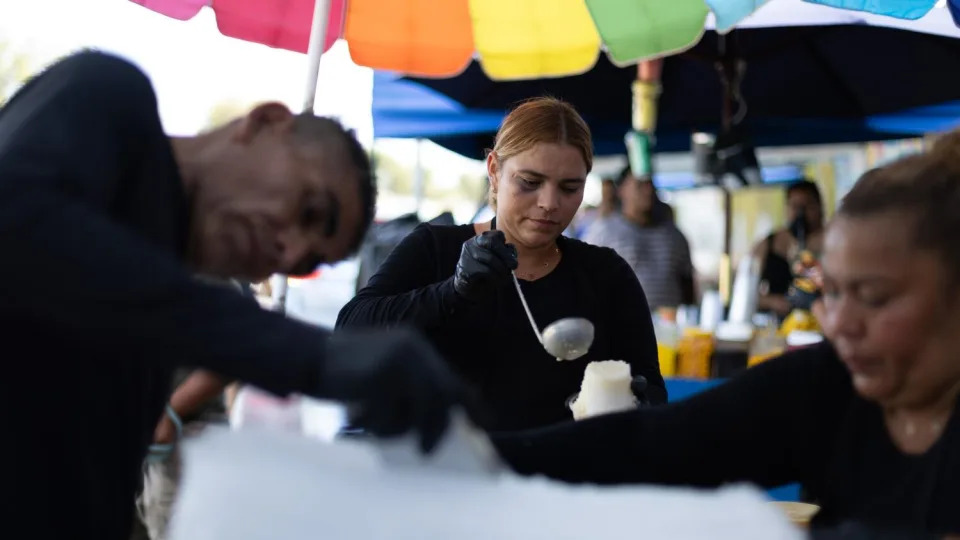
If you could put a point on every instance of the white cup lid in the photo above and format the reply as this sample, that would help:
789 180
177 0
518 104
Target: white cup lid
799 338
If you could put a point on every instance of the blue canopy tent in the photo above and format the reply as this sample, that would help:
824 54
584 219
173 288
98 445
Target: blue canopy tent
803 85
405 109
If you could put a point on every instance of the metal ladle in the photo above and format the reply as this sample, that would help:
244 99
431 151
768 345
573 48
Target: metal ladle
565 339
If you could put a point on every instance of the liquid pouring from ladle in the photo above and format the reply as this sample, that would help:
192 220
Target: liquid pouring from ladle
565 339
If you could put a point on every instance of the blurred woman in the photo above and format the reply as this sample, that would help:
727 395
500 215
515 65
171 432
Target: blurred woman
454 282
867 421
779 250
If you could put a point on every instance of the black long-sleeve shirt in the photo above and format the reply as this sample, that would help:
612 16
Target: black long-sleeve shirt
491 343
97 306
792 419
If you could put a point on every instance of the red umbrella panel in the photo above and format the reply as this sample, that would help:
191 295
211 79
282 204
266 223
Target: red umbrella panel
284 24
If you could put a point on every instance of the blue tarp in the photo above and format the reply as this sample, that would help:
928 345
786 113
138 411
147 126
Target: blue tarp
406 109
803 85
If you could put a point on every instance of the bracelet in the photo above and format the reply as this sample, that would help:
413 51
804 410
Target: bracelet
175 418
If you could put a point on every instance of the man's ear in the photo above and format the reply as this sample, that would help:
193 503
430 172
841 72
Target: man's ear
266 116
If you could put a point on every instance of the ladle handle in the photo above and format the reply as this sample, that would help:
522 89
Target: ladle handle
526 308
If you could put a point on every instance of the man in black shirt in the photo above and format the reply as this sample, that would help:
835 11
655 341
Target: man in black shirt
103 222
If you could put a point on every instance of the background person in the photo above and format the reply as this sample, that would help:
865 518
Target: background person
645 235
454 282
92 187
868 422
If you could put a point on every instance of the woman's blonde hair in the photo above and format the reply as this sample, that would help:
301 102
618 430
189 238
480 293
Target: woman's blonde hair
541 120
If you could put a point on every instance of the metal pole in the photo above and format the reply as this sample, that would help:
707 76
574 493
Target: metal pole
418 187
318 36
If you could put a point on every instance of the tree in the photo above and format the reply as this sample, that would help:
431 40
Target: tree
15 68
392 177
473 186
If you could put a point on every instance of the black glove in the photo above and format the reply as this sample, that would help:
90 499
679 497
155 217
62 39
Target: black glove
485 260
393 381
639 388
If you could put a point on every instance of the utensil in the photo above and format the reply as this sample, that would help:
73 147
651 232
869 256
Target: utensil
565 339
526 308
569 338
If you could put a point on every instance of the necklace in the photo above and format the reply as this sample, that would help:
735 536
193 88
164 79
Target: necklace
530 276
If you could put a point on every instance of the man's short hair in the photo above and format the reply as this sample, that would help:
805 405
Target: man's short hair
309 128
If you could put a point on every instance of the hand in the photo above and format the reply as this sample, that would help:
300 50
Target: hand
776 303
393 381
165 432
484 260
639 388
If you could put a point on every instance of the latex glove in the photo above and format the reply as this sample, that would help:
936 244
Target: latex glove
639 388
485 260
393 382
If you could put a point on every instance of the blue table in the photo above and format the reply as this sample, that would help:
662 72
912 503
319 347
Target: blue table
679 389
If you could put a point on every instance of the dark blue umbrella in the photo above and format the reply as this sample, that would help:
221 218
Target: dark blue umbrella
803 85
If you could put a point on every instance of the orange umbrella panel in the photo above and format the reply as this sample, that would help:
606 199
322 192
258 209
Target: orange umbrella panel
427 38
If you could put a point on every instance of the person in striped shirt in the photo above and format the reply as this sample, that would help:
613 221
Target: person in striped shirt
644 234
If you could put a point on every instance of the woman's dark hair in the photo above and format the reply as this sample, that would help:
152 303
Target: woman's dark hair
660 212
805 186
925 189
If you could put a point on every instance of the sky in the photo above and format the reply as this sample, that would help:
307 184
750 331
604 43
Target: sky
193 67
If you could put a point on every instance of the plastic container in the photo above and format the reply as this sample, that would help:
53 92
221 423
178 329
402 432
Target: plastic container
800 338
257 409
711 311
694 352
668 335
731 343
767 343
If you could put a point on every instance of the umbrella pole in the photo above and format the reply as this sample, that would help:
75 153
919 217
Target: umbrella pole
318 36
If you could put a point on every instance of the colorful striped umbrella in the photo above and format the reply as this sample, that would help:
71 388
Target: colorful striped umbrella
528 39
281 24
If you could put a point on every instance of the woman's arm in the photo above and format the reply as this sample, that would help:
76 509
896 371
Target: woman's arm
771 426
198 389
406 289
776 303
634 341
767 301
686 273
